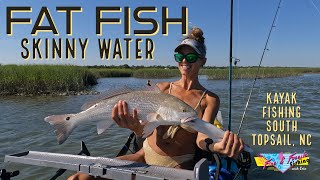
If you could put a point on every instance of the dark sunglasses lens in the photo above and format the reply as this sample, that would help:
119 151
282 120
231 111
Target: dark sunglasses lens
178 57
191 58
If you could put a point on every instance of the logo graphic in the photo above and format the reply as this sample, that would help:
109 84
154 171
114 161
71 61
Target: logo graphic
282 161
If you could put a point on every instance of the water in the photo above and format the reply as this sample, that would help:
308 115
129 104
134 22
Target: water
23 128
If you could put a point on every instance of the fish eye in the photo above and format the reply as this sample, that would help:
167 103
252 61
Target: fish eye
183 110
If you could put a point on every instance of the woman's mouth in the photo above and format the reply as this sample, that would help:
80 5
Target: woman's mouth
185 67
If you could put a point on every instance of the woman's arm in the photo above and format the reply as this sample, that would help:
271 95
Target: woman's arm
231 145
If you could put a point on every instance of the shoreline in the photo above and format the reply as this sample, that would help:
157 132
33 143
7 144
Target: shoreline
70 93
65 80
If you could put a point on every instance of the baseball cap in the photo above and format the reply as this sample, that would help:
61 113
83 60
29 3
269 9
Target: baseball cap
197 46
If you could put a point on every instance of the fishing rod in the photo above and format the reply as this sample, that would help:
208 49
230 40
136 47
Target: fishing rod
256 75
230 75
230 64
244 159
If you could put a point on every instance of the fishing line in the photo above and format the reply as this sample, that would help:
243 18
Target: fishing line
262 56
237 42
315 6
237 69
263 76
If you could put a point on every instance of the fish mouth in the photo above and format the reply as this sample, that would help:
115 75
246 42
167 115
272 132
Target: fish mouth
188 119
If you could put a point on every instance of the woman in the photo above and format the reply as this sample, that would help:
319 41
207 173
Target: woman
175 146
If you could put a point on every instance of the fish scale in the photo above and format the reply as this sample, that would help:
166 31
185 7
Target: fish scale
153 106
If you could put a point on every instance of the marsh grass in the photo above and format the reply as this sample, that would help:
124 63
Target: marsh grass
156 73
57 79
211 73
44 79
138 73
250 72
111 72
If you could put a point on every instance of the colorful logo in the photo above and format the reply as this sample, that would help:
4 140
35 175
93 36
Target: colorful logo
282 161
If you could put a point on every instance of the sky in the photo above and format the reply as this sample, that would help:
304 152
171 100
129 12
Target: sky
294 42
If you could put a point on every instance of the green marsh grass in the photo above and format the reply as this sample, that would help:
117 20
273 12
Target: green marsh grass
138 73
111 72
211 73
250 72
59 79
44 79
156 73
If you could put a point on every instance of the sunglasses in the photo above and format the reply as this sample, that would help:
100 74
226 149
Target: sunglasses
190 58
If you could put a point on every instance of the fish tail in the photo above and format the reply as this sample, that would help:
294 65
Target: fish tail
62 124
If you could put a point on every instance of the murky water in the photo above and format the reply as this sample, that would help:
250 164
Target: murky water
23 128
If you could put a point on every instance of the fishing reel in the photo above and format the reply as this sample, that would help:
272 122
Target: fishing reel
236 60
244 162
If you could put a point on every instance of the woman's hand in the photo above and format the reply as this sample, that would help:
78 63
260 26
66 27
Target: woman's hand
231 145
122 116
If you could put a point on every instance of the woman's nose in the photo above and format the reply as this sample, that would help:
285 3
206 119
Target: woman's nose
184 60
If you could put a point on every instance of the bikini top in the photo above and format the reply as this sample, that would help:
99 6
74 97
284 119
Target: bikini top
173 129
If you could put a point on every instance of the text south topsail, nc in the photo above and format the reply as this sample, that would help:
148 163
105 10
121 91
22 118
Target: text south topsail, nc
108 48
281 113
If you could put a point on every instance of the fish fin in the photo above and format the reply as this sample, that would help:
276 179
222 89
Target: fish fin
150 124
106 95
149 128
103 125
62 124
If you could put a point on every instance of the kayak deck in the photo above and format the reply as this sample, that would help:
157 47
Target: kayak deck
108 167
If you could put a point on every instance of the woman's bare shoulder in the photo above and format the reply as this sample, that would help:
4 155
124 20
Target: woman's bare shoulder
163 86
212 106
212 98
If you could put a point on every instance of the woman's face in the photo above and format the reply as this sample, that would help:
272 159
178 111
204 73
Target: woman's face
186 68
